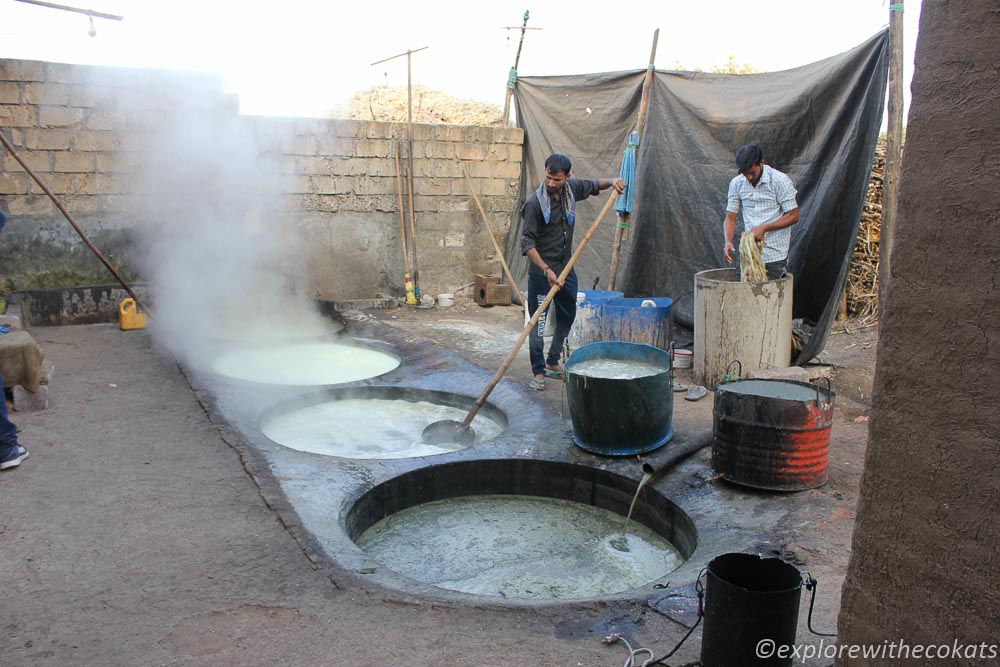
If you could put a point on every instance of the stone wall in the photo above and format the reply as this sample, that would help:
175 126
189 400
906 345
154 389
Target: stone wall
96 136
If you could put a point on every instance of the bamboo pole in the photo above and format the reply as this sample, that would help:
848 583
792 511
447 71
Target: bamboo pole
67 8
538 313
620 229
69 218
413 229
496 246
510 87
894 145
411 299
409 157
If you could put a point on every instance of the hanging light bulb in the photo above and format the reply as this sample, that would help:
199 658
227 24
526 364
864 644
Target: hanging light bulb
92 31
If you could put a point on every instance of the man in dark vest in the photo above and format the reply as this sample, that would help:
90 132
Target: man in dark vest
547 240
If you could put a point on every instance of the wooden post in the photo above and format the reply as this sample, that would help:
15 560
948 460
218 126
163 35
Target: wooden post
893 146
409 176
620 233
409 158
510 85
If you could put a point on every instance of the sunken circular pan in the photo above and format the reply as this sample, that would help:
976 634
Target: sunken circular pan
380 422
519 531
307 362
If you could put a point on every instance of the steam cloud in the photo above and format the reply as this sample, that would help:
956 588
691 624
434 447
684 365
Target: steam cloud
225 261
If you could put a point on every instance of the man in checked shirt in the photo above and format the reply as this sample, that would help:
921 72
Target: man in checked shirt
766 199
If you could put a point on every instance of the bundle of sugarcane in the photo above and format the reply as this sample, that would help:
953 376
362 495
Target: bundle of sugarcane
751 265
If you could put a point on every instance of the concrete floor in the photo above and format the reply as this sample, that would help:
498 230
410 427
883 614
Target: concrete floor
147 528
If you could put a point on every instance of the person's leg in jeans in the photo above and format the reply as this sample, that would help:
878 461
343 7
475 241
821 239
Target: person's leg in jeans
565 304
776 270
11 453
538 289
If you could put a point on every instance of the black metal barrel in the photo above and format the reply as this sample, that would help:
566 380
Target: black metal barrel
620 417
772 434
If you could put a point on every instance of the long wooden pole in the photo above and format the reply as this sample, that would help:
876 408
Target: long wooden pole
510 85
67 8
621 228
69 218
496 246
409 158
893 146
538 313
411 299
402 211
413 231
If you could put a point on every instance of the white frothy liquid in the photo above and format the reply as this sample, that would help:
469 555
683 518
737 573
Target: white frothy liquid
615 369
364 428
305 364
519 547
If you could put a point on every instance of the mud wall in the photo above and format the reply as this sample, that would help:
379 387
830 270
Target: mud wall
927 540
87 131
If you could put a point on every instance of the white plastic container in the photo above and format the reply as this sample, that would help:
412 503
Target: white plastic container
445 300
683 358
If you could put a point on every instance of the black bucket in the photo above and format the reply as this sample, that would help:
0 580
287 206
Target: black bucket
750 602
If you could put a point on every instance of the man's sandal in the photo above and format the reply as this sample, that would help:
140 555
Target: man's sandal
557 373
537 382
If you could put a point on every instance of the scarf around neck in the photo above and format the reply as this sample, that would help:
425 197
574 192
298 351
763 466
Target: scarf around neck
568 202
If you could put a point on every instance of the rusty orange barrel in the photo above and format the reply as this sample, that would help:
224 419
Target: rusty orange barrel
772 434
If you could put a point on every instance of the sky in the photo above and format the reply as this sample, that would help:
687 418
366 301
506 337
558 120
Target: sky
305 57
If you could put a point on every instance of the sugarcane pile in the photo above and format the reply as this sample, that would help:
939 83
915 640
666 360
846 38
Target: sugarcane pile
389 105
862 279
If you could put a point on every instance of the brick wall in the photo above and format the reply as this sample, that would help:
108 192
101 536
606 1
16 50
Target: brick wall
94 134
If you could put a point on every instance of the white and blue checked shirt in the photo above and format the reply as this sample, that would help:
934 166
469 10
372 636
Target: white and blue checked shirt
773 197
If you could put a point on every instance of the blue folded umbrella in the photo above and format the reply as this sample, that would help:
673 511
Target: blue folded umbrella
623 205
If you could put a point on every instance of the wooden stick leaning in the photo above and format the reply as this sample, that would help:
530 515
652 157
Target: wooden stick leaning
621 231
402 213
538 313
407 279
413 228
496 246
69 218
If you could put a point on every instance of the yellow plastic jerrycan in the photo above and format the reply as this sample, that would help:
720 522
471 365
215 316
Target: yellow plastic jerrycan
129 316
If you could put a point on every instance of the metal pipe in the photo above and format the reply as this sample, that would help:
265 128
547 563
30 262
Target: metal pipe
678 452
66 8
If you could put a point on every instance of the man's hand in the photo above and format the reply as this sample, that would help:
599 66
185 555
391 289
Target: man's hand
553 279
619 185
758 233
730 248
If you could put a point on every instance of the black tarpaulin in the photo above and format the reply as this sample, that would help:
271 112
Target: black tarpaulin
817 123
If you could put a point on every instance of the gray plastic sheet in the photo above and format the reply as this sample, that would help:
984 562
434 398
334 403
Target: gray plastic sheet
818 123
